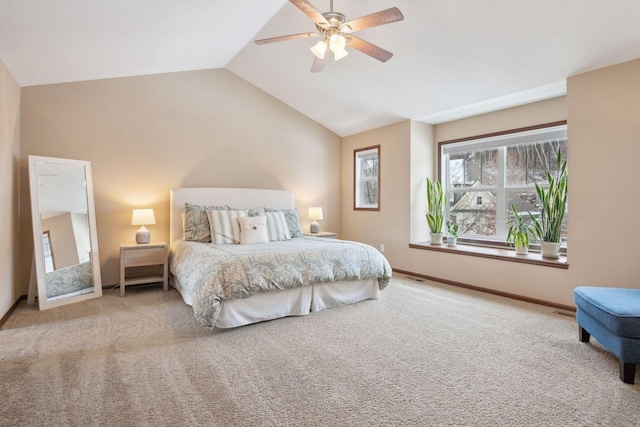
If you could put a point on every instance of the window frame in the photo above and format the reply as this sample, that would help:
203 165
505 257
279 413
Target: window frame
358 179
442 170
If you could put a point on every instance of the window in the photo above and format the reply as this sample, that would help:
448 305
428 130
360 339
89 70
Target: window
366 181
482 176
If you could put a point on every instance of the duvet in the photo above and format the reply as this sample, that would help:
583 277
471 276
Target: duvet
213 273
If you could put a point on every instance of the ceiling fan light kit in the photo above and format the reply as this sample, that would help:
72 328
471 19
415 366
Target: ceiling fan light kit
319 49
336 31
337 44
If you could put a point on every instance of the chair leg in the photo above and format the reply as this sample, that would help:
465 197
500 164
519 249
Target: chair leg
583 334
627 372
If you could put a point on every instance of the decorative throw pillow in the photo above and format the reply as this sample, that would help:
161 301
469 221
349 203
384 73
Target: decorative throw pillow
277 226
196 223
225 228
293 221
256 211
253 229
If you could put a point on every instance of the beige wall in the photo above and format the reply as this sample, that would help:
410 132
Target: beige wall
9 188
145 135
406 156
390 225
602 109
404 222
604 147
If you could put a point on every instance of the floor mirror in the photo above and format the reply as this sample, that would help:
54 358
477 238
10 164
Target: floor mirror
66 265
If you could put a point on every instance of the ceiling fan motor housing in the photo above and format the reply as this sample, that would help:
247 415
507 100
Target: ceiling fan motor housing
336 21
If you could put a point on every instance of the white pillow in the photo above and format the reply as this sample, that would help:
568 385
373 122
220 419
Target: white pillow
253 229
225 228
277 228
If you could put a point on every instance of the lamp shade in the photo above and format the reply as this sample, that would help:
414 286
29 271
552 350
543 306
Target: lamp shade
338 55
315 213
143 217
337 45
319 49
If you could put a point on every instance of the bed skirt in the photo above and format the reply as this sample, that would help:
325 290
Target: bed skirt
289 302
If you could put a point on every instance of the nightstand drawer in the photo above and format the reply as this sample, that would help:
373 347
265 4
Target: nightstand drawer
140 257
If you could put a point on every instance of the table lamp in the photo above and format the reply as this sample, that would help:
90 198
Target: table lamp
315 214
143 217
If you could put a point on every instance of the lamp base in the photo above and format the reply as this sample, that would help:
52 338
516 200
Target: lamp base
143 235
315 227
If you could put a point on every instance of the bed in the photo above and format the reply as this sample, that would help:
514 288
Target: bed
230 285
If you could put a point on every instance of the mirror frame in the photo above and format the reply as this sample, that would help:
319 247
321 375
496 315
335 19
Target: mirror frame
38 245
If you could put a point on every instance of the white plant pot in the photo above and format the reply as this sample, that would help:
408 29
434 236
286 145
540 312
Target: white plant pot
452 241
550 249
436 238
522 250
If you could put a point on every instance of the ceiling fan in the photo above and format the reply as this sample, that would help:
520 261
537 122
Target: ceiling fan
336 33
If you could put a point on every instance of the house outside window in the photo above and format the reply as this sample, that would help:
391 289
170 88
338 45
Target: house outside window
482 176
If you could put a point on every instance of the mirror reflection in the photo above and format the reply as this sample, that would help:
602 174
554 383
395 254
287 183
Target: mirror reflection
64 230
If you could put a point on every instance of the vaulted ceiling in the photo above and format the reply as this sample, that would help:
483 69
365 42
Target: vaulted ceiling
451 58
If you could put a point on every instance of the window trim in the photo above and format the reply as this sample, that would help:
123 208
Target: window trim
357 179
505 254
440 171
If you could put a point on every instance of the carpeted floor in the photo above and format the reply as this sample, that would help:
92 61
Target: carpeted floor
424 354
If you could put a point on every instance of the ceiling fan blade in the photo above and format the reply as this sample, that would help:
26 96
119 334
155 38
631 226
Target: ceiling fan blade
370 49
310 11
289 37
318 65
379 18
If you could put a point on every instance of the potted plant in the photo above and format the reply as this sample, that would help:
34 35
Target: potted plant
519 232
452 238
435 213
548 229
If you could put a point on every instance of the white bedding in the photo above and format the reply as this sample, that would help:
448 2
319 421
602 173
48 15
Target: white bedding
289 302
266 304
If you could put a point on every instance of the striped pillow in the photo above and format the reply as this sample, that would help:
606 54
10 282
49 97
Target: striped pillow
195 224
277 228
225 228
293 222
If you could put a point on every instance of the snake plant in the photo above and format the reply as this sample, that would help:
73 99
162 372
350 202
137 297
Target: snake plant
554 205
519 231
436 205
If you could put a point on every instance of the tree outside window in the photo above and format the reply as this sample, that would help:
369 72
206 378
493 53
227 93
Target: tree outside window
483 176
367 178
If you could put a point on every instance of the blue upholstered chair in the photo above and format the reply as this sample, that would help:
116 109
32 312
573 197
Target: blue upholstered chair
612 316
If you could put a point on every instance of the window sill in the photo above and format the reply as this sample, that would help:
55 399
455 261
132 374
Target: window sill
494 253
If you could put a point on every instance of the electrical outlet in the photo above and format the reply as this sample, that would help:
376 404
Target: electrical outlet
381 247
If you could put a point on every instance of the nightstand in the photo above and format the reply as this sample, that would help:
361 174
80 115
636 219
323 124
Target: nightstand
143 263
321 234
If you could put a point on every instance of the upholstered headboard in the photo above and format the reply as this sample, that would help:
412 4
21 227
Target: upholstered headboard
236 198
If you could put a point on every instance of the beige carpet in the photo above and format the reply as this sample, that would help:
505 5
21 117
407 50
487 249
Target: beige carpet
425 354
